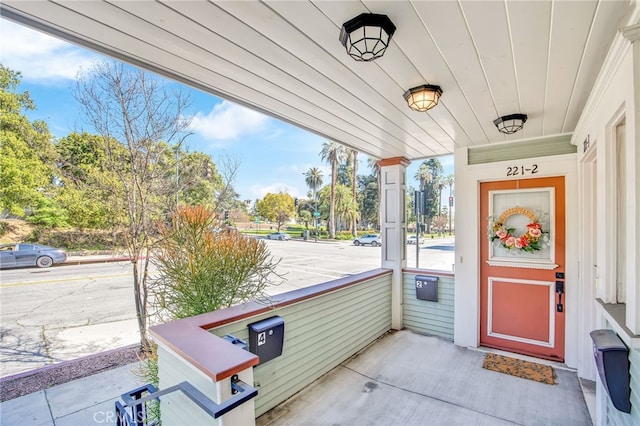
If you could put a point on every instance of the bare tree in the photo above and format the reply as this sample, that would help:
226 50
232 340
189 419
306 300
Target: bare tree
225 196
138 117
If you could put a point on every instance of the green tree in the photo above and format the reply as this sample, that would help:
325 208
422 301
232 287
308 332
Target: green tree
368 203
423 175
313 179
145 116
353 154
26 157
279 208
305 216
333 153
195 178
88 185
429 175
345 209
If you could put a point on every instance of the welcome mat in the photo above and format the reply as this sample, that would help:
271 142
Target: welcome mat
519 368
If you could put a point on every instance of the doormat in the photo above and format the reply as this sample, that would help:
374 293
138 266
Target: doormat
519 368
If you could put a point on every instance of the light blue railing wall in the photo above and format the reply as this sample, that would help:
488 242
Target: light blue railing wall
421 316
320 333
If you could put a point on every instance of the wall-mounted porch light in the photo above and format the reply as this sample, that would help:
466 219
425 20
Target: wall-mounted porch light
367 36
423 98
509 124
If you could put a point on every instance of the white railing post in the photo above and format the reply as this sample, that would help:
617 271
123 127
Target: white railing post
177 409
393 224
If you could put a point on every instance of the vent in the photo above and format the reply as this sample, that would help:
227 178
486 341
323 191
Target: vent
557 145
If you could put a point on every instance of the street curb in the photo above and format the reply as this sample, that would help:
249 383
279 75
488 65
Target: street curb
89 261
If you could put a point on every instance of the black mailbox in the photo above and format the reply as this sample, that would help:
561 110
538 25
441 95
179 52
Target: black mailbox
612 361
266 338
427 288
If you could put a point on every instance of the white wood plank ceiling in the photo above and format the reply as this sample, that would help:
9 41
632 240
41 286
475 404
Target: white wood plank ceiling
491 58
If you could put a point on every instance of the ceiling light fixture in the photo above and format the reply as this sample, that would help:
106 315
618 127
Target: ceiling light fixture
423 98
367 36
509 124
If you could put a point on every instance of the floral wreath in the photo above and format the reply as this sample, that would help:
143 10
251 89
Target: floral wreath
533 239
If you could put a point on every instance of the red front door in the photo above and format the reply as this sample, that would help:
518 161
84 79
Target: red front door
522 290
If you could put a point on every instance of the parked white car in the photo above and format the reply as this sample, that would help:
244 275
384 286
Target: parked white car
370 239
278 236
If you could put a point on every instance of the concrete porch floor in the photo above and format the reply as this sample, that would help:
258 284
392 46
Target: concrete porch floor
410 379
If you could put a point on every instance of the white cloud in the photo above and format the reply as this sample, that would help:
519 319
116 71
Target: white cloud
228 121
302 169
258 191
40 58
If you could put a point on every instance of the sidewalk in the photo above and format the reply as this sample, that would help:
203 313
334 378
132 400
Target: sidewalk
86 401
79 258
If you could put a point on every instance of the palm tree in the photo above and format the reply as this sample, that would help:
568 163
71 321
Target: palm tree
333 153
313 179
354 187
423 175
449 181
346 209
439 185
375 169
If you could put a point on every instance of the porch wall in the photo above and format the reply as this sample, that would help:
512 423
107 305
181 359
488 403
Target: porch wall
320 333
614 101
425 317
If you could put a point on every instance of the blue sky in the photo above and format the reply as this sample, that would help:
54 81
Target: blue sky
273 155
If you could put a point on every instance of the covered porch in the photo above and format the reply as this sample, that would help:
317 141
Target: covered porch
407 378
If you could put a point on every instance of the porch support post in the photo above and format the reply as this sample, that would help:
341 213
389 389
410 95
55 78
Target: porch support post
632 33
393 227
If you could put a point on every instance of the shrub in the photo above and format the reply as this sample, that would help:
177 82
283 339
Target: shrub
344 235
202 269
75 239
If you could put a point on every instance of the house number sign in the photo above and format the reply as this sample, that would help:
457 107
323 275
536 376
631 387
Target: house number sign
522 170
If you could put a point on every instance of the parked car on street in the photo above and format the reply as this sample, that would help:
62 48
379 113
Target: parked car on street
370 239
24 254
412 239
278 236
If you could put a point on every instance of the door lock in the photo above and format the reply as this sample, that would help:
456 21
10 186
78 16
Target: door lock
560 291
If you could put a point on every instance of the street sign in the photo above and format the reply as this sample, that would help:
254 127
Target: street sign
316 214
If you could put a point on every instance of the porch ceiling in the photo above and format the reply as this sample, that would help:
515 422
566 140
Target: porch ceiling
491 58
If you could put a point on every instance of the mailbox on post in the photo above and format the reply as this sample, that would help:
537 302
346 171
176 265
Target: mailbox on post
266 338
612 361
427 288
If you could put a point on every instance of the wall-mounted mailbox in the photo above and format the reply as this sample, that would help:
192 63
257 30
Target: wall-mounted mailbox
427 288
236 341
266 338
612 360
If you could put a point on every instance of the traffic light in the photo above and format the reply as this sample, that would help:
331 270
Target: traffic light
226 214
